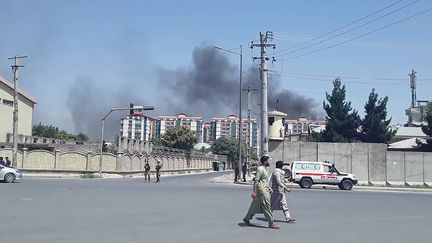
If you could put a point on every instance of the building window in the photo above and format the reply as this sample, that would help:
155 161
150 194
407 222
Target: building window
7 102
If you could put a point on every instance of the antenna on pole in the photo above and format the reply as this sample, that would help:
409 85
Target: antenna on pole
413 85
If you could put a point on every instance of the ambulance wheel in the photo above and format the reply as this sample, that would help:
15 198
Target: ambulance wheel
346 184
306 183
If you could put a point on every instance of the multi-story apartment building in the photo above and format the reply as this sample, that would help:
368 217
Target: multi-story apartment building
137 126
207 132
228 127
301 126
195 124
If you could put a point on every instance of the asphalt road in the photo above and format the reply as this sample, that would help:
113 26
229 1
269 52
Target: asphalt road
192 209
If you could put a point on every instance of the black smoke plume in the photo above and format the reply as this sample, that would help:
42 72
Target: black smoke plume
210 88
88 104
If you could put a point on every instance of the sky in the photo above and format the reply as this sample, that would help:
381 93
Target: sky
85 57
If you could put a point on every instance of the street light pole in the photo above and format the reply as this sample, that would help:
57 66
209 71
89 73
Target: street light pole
240 102
103 126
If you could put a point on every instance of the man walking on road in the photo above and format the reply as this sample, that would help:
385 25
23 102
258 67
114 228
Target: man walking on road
278 198
158 167
147 171
261 195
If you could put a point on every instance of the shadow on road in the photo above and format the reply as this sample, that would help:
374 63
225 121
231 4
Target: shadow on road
276 220
251 225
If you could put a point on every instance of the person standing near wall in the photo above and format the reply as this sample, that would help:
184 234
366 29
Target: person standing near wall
147 171
278 198
261 195
236 172
158 168
8 162
244 169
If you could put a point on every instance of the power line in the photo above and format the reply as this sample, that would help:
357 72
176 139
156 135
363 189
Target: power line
342 27
349 77
360 36
350 30
327 80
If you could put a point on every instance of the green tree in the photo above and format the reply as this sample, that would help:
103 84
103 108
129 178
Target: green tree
428 128
54 132
81 137
179 138
374 127
342 120
229 148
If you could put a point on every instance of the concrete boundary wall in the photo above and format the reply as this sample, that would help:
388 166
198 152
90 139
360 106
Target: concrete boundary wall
371 163
121 162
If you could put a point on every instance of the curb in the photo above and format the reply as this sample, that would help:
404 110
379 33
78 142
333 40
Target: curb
331 187
77 175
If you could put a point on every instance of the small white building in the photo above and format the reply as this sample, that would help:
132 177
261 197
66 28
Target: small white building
25 110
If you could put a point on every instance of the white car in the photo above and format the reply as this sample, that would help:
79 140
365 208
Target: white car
9 175
307 173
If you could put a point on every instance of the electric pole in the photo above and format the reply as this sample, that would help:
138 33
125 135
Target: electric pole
15 68
413 84
249 143
264 38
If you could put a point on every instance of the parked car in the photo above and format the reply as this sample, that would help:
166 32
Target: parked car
9 175
307 173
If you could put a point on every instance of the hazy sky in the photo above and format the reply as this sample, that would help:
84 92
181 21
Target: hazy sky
88 56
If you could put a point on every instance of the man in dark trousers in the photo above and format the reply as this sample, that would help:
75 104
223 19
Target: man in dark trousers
147 171
236 172
2 162
244 168
158 168
8 162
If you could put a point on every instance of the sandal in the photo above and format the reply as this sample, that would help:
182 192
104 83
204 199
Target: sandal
273 226
291 220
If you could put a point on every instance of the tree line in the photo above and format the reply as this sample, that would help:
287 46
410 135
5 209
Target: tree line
49 131
345 125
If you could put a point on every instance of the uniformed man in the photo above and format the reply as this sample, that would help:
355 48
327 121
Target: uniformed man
159 165
147 171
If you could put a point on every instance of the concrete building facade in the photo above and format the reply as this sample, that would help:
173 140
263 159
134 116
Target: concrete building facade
26 105
194 123
302 126
228 127
138 127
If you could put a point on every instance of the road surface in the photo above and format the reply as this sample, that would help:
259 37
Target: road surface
193 209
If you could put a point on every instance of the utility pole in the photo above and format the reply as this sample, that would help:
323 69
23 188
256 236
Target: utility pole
249 90
264 38
413 84
15 68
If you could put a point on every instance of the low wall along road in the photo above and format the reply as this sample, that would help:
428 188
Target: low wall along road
370 162
75 161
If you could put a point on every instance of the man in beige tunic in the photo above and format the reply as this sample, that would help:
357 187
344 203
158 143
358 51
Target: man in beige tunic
261 195
277 198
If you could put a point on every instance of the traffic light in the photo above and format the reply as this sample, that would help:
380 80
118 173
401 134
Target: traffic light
104 146
131 106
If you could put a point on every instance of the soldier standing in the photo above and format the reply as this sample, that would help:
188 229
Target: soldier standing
147 171
158 167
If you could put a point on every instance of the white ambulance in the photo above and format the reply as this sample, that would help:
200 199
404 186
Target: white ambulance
307 173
